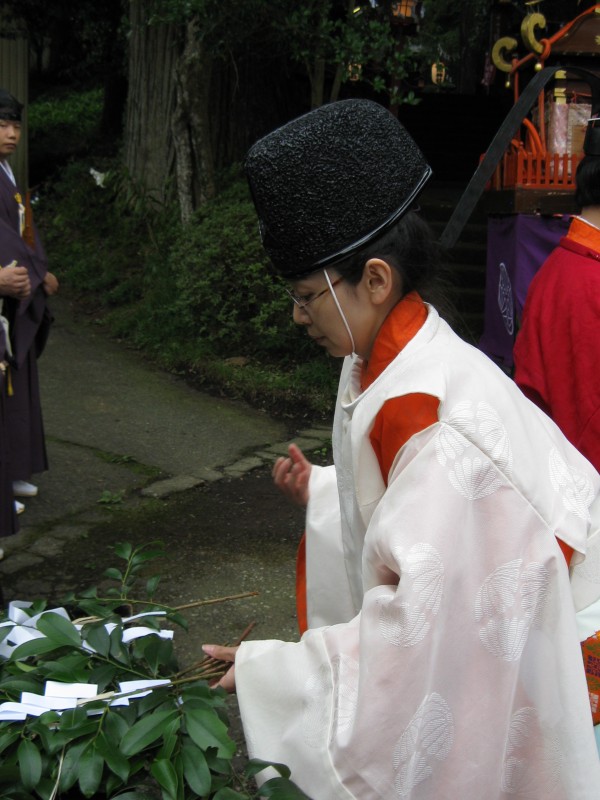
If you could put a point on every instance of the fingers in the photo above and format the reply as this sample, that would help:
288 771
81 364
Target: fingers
50 284
291 476
227 682
297 455
15 282
220 652
227 654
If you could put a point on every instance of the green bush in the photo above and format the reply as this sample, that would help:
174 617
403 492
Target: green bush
225 294
61 128
172 741
95 251
191 297
74 113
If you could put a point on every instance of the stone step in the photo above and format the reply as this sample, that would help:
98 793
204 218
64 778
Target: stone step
466 261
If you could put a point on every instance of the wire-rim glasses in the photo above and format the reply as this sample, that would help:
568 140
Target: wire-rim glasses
303 300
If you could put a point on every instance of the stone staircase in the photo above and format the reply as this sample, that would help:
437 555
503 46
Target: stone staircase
466 262
453 131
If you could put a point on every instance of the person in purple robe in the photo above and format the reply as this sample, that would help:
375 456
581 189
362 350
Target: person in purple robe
8 516
25 284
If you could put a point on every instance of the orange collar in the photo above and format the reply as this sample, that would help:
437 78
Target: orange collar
584 233
399 327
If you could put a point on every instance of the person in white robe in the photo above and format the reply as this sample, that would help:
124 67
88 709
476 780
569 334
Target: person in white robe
452 545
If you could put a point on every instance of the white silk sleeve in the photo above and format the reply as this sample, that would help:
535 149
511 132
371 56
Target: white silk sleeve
327 588
460 678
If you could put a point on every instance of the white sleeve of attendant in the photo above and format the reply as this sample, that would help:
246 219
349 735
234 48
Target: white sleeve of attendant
460 678
585 579
327 589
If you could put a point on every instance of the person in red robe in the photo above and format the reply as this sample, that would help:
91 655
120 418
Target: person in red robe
557 350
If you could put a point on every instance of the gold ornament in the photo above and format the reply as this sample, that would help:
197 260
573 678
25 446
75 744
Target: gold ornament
528 28
503 45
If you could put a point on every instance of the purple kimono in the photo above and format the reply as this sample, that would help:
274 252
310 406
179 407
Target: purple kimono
8 517
29 322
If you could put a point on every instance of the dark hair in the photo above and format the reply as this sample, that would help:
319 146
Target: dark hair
410 247
10 108
587 182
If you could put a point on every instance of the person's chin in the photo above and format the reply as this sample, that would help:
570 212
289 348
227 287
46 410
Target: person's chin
335 351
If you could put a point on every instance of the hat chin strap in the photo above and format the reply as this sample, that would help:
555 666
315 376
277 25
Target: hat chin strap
339 308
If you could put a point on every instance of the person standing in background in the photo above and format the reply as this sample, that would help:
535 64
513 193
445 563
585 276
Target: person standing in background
25 284
557 350
8 517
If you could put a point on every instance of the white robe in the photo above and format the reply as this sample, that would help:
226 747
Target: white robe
446 664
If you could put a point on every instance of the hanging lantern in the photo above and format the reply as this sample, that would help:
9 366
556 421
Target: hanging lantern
354 72
403 10
438 73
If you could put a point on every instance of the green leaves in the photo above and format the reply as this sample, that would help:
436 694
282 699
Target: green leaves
97 637
175 737
145 732
30 764
115 761
59 630
207 730
91 765
165 774
195 769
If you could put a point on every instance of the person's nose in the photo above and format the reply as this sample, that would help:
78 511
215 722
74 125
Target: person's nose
300 315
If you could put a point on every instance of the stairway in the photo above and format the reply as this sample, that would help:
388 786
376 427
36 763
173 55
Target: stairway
453 131
466 262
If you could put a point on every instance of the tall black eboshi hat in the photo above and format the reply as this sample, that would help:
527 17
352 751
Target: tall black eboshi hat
327 183
10 108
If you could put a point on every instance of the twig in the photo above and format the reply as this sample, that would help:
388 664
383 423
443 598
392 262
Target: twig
214 600
169 609
216 663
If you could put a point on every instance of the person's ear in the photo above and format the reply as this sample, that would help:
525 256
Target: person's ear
378 279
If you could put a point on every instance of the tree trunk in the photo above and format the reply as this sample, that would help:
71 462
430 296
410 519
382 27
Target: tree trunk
191 125
149 152
317 82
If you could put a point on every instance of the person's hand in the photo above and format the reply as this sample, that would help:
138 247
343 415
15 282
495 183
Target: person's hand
221 653
291 476
50 284
14 282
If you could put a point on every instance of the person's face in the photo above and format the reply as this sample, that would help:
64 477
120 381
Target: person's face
10 133
361 304
319 314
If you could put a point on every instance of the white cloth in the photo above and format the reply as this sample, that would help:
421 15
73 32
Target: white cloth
8 169
460 675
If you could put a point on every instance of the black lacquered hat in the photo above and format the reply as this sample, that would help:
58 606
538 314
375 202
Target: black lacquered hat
329 182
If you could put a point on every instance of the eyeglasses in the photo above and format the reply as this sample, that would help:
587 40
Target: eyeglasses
303 300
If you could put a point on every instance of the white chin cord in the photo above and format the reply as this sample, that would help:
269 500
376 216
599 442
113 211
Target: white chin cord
339 308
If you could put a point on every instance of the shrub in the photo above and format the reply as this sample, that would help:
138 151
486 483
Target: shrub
62 128
191 297
170 741
225 294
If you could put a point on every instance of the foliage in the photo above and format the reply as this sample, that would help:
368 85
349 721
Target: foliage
192 296
452 32
73 38
327 38
172 742
223 291
62 126
353 40
64 123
